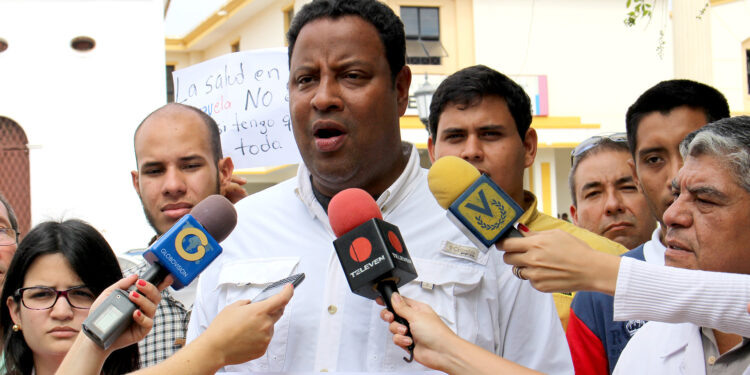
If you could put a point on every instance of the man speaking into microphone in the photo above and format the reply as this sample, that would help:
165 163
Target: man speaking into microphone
348 86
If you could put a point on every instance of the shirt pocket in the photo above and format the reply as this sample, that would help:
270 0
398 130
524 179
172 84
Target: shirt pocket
451 290
244 279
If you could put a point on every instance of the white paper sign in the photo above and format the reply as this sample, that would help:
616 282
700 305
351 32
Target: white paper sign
247 94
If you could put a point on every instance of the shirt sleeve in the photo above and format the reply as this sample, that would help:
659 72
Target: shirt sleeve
674 295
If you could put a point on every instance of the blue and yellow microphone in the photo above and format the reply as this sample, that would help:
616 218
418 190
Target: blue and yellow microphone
184 251
474 203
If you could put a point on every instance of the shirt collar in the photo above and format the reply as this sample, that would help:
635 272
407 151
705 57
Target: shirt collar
529 200
387 201
653 250
681 335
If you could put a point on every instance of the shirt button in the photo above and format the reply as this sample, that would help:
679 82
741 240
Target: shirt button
332 309
711 360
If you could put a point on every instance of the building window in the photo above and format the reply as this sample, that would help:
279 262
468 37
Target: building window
422 27
236 46
170 84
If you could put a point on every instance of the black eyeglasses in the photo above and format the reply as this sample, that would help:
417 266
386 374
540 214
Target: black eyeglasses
8 236
43 297
595 141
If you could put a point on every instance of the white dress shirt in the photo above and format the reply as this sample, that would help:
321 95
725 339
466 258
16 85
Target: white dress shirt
284 230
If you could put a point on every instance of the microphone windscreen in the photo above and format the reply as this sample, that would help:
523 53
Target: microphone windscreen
217 215
449 177
351 208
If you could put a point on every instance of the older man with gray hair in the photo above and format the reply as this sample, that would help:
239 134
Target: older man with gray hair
707 230
606 198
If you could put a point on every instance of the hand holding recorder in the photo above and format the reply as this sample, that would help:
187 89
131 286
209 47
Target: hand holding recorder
240 332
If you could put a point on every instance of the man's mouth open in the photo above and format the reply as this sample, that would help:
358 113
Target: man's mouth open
329 139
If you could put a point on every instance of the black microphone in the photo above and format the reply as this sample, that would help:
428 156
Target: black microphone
371 251
184 251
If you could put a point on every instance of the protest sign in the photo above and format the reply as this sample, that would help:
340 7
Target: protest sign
247 94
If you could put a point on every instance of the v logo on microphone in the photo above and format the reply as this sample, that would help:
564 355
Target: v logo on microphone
485 209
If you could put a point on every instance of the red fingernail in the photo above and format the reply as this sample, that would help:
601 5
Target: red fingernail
138 313
523 228
142 282
135 295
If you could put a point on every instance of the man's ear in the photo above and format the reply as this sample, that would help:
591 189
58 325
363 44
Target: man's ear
573 214
225 167
403 81
134 176
431 149
634 170
530 147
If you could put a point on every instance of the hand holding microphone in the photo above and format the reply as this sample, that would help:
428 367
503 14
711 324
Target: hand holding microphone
183 251
474 203
436 340
440 348
371 251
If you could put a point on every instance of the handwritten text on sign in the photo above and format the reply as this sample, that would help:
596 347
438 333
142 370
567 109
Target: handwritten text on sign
246 93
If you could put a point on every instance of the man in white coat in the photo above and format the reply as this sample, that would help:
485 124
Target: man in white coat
706 229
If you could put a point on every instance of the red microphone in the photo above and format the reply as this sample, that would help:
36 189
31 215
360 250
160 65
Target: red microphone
350 208
371 250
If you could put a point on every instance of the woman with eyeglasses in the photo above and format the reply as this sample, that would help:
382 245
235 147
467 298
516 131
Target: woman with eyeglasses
58 271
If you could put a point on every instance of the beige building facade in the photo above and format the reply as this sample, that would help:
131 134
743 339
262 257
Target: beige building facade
76 78
581 65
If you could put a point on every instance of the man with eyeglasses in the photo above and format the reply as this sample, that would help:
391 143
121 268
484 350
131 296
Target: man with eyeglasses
483 117
8 236
656 124
606 199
